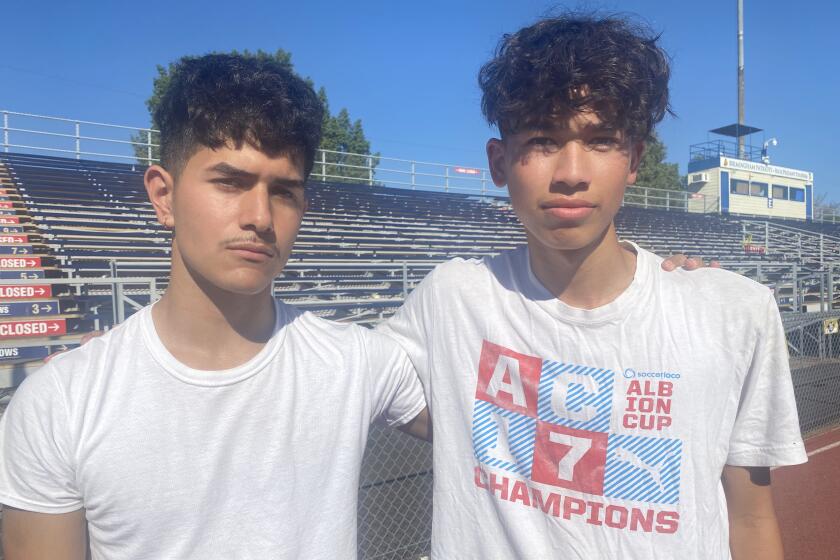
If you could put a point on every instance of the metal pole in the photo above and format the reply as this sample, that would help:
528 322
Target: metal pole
405 279
446 182
149 145
830 287
766 238
646 197
822 292
323 166
370 170
78 142
795 288
758 274
6 131
822 246
483 182
413 172
667 200
740 77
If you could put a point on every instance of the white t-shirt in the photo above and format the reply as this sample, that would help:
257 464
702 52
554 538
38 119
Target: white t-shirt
259 461
583 434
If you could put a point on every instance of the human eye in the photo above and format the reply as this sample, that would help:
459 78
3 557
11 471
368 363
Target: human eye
605 142
226 183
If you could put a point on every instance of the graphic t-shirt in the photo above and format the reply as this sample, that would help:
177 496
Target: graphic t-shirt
259 461
594 434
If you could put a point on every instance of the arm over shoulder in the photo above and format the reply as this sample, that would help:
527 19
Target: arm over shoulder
396 394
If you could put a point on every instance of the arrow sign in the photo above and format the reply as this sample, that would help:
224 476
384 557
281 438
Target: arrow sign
11 229
16 249
26 292
27 309
14 238
22 275
7 204
20 329
9 354
9 219
26 262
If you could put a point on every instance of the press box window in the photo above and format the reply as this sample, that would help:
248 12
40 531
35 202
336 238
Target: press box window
736 186
758 189
780 192
797 195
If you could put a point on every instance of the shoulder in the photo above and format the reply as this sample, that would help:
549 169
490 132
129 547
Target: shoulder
460 272
109 345
339 337
711 288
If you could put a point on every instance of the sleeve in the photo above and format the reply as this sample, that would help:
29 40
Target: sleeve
396 393
36 466
766 431
411 326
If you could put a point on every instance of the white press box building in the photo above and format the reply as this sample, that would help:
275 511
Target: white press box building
742 180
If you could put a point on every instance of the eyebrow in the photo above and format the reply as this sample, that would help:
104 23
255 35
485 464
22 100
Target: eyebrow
232 171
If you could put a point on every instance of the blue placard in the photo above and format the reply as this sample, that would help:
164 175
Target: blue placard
31 274
11 229
14 353
16 250
30 308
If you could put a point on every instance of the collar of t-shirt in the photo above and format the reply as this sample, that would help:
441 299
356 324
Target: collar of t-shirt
615 310
212 378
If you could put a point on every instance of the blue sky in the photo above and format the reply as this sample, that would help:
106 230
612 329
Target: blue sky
408 70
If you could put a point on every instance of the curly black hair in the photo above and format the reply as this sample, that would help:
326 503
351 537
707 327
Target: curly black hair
562 65
217 99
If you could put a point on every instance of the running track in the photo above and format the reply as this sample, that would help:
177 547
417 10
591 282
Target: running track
807 499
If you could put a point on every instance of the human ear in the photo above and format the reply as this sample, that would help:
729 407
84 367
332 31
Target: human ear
637 150
159 187
496 161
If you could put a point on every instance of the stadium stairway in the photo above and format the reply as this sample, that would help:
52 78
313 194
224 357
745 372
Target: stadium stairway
36 318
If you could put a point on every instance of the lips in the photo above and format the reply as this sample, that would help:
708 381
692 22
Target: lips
568 208
252 251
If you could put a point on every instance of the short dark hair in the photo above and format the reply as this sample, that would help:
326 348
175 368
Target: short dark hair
216 99
562 65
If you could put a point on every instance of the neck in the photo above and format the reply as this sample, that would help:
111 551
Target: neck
207 328
588 277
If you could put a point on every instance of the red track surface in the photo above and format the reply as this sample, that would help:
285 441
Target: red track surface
807 499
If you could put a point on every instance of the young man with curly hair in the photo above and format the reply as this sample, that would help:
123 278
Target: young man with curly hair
215 423
587 404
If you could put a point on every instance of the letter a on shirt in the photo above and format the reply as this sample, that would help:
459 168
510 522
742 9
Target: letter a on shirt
508 379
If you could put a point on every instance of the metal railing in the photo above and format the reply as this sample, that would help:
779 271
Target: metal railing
87 139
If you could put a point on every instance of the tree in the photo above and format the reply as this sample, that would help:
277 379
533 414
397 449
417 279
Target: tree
340 136
654 172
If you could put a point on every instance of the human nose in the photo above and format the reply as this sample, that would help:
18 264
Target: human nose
571 166
255 210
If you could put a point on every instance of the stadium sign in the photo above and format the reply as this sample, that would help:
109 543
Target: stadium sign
25 353
30 309
7 204
23 238
17 329
22 275
26 292
11 229
9 220
16 250
757 167
17 262
467 170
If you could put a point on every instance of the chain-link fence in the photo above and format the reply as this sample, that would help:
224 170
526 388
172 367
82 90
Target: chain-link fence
814 348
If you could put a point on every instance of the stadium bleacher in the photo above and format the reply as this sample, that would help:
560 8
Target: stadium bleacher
360 250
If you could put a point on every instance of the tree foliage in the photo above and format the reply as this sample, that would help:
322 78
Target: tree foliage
340 136
654 171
